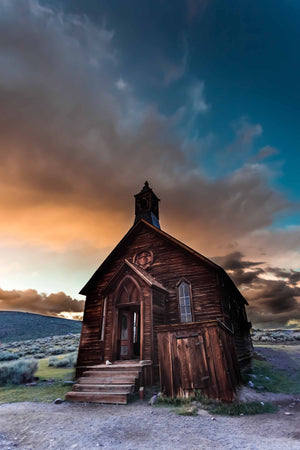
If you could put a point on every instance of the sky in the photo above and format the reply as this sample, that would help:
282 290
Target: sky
201 98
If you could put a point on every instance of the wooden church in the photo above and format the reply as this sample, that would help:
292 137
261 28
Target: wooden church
158 311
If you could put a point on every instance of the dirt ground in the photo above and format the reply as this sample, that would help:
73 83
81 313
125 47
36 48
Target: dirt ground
39 426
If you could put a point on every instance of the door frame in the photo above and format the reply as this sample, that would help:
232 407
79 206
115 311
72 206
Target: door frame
130 309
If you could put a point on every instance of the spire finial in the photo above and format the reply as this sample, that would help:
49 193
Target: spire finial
146 206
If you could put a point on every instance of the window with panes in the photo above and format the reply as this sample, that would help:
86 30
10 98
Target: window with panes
185 302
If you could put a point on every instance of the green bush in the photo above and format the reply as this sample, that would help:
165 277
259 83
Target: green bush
31 350
67 361
39 355
18 372
71 348
8 356
56 351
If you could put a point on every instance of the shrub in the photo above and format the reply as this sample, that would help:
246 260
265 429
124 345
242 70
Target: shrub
67 361
18 372
32 349
39 355
52 361
71 348
8 356
56 350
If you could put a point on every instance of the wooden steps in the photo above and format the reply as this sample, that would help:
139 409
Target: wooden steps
121 388
96 397
107 383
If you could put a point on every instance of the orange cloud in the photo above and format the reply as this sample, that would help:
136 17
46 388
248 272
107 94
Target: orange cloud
31 301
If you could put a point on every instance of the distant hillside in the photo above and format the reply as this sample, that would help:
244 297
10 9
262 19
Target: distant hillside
19 326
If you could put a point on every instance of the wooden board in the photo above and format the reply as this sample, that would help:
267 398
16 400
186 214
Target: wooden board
192 357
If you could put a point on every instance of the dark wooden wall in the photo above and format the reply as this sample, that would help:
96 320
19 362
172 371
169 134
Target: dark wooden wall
171 264
199 356
235 318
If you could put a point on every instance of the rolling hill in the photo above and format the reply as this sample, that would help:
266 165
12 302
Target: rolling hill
21 326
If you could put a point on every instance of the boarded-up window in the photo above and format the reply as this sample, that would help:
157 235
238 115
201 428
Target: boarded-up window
185 302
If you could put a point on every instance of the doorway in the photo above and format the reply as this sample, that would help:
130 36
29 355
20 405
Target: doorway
129 333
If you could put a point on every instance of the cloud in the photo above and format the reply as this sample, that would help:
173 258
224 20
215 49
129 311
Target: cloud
246 132
292 276
31 301
233 261
197 99
241 147
75 145
174 72
274 300
75 148
121 84
265 152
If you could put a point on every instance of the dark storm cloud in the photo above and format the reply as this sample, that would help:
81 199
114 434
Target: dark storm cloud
70 137
32 301
273 301
292 276
233 261
75 145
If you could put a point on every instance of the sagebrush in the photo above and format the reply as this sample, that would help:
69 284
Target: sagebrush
66 361
17 372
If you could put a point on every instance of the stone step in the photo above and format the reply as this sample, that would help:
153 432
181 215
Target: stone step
124 388
98 397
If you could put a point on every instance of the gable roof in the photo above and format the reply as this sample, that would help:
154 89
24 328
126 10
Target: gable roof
165 235
145 276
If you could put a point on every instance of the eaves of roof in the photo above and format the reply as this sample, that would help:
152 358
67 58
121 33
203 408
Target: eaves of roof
146 277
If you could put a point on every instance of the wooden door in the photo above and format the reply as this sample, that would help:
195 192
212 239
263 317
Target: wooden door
125 327
190 353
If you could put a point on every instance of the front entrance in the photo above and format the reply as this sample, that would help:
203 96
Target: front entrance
129 333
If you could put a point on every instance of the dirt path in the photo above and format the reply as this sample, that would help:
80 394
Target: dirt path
40 426
139 426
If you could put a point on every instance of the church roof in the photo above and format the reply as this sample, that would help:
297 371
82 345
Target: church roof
145 276
165 235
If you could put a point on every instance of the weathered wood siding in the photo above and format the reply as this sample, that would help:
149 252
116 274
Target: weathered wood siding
170 265
198 356
213 297
91 349
235 318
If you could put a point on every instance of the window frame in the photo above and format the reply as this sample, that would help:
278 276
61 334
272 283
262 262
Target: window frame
184 280
103 319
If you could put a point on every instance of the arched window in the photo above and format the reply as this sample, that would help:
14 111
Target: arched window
185 302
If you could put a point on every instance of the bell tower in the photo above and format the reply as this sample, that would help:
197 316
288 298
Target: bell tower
146 206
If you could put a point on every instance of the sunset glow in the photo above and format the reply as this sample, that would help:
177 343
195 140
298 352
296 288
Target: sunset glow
94 102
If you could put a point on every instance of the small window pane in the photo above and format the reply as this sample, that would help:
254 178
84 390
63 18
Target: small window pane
124 330
185 302
124 350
